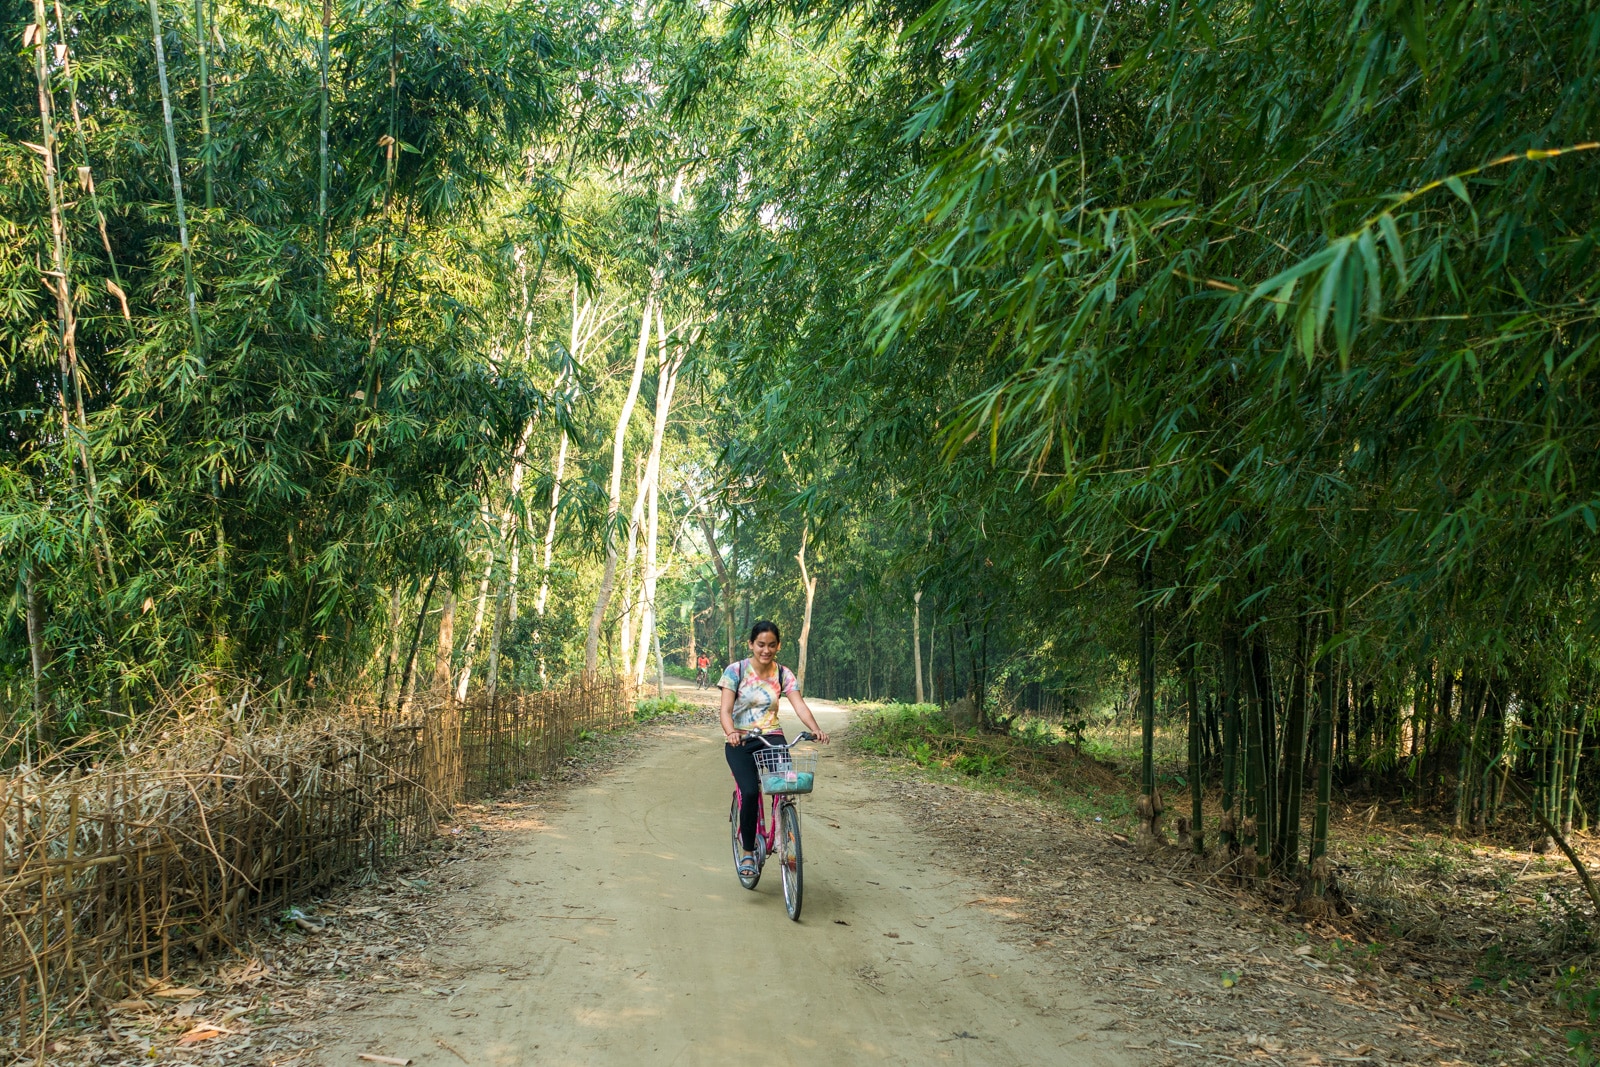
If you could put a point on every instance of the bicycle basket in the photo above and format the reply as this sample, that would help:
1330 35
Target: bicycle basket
786 771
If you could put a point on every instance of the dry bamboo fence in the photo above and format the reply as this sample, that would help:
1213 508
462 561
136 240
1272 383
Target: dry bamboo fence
116 875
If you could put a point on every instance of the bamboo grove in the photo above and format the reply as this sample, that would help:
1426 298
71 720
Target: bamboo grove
1232 358
285 300
1224 364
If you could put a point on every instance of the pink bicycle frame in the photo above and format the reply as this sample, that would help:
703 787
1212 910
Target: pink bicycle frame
767 830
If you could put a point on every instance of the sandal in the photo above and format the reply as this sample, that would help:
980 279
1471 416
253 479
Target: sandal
747 865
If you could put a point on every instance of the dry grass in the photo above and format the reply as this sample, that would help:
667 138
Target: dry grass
111 875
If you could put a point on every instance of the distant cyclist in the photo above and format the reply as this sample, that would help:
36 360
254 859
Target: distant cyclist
704 665
751 690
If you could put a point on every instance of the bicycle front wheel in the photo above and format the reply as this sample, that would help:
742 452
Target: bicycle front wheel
790 857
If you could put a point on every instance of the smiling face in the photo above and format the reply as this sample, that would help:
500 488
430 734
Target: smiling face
764 649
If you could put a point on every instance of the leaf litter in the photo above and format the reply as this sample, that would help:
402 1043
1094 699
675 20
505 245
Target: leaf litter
275 1001
1231 975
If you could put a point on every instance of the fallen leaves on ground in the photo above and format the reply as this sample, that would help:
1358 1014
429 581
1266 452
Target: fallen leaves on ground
275 1002
1221 973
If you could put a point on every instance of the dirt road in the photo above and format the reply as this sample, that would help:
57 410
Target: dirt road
618 934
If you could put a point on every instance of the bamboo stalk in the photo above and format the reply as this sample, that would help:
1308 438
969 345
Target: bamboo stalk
1327 691
1230 734
86 175
35 624
201 47
322 135
1149 809
1294 755
190 294
1191 693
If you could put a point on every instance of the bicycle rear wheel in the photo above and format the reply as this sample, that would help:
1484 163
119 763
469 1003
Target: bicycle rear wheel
790 857
738 850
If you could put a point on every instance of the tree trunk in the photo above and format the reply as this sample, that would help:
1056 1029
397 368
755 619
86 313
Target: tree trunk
491 670
661 666
1263 746
67 327
666 385
409 676
1327 689
510 530
1230 734
1572 772
955 671
202 47
443 669
322 141
809 585
591 650
393 642
869 657
733 594
550 527
630 603
189 289
1149 804
723 572
1293 771
1467 731
1252 827
42 726
916 639
693 654
471 650
1191 693
1439 730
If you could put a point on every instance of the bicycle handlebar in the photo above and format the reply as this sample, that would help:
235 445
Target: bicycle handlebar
760 735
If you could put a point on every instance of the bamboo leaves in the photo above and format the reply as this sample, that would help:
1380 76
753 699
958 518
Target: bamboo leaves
258 494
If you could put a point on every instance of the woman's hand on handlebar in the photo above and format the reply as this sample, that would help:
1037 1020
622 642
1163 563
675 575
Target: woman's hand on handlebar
734 737
821 736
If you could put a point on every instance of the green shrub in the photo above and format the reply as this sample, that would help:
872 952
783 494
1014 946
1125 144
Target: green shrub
656 707
980 765
901 730
1574 993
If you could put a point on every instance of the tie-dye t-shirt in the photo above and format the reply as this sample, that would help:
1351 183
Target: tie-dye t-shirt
756 699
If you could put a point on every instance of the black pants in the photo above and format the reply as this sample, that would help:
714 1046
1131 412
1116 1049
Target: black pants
742 761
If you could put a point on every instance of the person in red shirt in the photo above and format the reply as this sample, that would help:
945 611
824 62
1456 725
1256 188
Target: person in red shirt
704 665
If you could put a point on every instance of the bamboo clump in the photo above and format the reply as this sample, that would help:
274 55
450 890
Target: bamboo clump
120 873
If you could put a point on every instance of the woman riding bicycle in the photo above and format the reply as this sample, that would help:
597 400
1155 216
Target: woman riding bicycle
751 690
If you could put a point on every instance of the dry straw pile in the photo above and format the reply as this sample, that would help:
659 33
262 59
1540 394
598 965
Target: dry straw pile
112 875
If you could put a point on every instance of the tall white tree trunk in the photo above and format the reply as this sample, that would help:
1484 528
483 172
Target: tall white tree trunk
808 582
630 602
916 642
477 627
587 323
666 386
661 669
591 650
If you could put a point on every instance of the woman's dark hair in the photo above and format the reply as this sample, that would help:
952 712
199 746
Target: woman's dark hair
765 626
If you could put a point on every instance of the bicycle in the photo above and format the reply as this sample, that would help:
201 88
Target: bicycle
785 775
700 678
